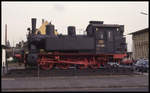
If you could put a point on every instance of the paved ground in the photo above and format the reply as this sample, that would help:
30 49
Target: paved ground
126 89
78 83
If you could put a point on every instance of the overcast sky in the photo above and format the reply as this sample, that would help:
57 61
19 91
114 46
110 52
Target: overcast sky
17 15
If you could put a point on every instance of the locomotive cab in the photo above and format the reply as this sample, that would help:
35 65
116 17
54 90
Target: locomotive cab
108 38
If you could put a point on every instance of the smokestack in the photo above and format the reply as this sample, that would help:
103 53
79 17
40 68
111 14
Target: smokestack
50 29
5 34
71 30
42 21
33 22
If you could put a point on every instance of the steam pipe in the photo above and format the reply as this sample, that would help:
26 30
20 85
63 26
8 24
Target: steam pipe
33 22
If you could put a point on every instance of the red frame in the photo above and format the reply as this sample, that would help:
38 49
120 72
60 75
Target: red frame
82 59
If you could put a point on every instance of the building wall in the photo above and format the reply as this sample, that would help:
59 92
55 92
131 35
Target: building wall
141 45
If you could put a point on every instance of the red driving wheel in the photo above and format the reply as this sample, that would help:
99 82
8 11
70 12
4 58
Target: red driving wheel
47 66
95 66
82 66
63 66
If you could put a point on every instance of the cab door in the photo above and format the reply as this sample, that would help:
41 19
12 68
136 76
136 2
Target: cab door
100 40
110 40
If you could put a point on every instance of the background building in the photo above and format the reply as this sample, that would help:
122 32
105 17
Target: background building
141 43
3 55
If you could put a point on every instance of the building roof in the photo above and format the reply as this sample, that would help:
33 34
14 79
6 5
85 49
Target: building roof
140 31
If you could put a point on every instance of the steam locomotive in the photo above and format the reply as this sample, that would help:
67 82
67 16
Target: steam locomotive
101 43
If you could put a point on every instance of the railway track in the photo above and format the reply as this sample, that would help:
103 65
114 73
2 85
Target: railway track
69 72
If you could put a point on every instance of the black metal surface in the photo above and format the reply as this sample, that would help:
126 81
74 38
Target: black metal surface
96 22
50 30
33 22
71 31
70 43
32 59
110 35
100 39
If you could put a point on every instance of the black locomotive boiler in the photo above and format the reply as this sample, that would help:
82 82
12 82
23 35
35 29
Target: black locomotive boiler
101 43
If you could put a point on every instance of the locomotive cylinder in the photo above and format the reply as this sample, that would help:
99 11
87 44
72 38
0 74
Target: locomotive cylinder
71 30
33 22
